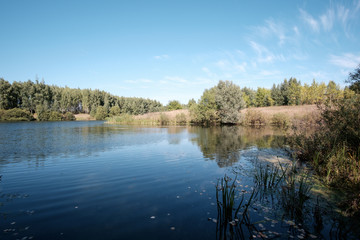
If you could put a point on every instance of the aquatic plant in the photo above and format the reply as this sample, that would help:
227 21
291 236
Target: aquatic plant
268 177
229 224
294 193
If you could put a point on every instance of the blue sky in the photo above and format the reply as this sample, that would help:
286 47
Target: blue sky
169 50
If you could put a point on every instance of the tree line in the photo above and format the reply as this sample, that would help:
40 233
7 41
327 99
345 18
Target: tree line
38 97
222 103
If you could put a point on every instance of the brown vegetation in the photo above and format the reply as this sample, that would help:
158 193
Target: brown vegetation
83 117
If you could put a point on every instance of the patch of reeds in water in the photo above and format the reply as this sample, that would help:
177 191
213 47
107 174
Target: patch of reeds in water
233 221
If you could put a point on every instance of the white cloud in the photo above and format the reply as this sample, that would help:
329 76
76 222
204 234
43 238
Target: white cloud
346 60
308 19
264 55
271 29
296 30
343 14
161 57
327 19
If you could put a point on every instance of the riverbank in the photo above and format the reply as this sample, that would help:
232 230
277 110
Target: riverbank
275 115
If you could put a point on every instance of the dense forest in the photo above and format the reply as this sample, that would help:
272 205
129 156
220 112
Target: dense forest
38 97
56 103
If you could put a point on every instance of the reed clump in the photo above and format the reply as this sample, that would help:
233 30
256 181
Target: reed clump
333 149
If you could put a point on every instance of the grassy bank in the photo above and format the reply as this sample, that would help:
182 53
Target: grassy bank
275 115
176 117
333 149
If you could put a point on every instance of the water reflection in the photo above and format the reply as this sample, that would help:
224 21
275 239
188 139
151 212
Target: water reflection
223 144
39 141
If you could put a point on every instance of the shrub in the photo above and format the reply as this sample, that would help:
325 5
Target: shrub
15 114
115 111
181 119
253 117
101 113
124 118
164 119
55 116
69 117
280 120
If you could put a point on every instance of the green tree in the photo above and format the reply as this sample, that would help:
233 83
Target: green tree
115 111
263 97
174 105
229 102
205 111
276 95
249 96
101 113
354 80
294 92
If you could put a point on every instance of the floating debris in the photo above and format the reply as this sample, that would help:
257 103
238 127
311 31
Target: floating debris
172 228
152 217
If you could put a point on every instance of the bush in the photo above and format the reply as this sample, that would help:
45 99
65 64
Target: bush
115 111
15 114
69 117
334 148
253 117
181 119
280 120
55 116
124 118
101 113
164 119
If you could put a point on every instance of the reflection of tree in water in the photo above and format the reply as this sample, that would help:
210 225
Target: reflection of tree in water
223 144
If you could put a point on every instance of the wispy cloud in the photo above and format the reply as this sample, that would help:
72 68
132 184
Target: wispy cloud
264 55
271 29
346 60
327 19
310 20
161 57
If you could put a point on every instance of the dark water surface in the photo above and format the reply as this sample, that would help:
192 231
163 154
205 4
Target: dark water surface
90 180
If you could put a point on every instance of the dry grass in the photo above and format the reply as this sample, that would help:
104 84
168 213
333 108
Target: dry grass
171 115
297 115
83 117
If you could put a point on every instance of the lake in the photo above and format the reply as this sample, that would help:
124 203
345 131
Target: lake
91 180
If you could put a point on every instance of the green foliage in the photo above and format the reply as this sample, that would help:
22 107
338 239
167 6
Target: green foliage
69 117
249 97
180 119
253 117
276 95
123 118
101 113
334 148
263 97
191 103
164 119
205 111
354 80
30 95
229 102
220 104
115 111
15 114
174 105
280 120
55 116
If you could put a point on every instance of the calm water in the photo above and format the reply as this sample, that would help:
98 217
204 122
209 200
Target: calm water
89 180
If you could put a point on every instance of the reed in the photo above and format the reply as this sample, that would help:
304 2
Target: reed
229 224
